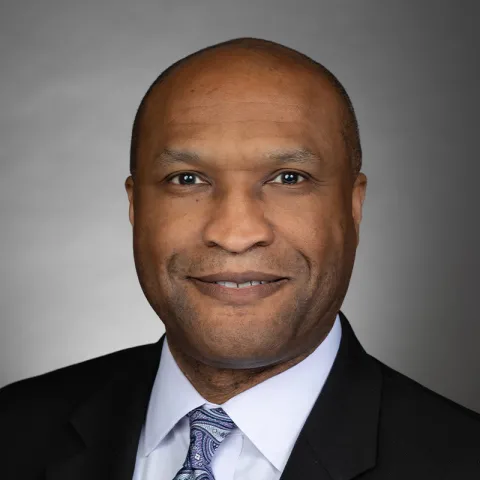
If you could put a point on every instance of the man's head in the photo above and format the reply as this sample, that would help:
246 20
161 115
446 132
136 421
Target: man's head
245 157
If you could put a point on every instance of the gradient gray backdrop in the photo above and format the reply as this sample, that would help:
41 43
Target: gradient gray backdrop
72 75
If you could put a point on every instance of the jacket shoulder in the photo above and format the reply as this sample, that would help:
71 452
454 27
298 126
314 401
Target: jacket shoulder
427 428
36 411
65 387
405 394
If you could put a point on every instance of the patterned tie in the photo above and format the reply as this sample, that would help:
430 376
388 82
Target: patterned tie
208 428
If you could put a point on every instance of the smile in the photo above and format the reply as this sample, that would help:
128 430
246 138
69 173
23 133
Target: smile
251 283
239 293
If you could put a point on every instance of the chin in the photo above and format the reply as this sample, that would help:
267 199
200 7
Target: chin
234 349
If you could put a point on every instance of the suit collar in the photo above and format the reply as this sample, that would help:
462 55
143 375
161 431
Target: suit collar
339 438
104 430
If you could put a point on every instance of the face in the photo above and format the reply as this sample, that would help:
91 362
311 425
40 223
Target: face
244 170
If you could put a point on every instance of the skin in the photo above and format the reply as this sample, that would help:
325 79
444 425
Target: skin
239 213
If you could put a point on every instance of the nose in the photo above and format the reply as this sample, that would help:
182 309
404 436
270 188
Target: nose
238 223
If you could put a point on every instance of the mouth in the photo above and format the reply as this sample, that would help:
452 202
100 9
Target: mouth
250 283
239 293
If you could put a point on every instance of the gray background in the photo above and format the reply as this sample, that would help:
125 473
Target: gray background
72 75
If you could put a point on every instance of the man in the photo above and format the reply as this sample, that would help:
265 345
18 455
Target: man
245 200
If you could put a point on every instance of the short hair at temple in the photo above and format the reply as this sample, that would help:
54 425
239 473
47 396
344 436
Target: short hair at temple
349 127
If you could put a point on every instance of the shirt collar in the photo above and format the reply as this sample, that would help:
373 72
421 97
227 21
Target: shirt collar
272 426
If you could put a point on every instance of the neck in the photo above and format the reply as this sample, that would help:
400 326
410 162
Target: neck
217 385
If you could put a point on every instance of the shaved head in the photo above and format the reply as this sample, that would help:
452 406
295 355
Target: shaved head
245 174
258 52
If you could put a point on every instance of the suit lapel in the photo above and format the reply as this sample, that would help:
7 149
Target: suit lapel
102 437
339 438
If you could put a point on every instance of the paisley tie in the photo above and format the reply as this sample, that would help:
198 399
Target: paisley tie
208 428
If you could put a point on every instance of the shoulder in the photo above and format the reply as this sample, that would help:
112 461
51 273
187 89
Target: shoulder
60 390
36 411
402 394
426 427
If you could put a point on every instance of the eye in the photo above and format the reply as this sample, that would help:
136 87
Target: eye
290 177
186 178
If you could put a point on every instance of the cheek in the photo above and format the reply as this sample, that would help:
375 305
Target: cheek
319 230
162 228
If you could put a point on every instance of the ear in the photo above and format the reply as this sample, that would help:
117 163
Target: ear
129 189
358 197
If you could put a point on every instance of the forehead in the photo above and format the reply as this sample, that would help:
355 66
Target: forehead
245 110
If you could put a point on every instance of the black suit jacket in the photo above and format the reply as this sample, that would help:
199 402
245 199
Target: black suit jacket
369 422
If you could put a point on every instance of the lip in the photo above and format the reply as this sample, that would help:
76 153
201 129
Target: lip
239 277
238 296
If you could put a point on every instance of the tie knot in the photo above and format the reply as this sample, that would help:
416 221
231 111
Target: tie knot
208 428
214 422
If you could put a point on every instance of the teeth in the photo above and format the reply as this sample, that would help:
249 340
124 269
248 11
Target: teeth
240 285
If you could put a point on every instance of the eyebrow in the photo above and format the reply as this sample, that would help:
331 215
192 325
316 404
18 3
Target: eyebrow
299 156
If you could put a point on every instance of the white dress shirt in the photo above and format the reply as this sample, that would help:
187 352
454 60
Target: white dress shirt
269 417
